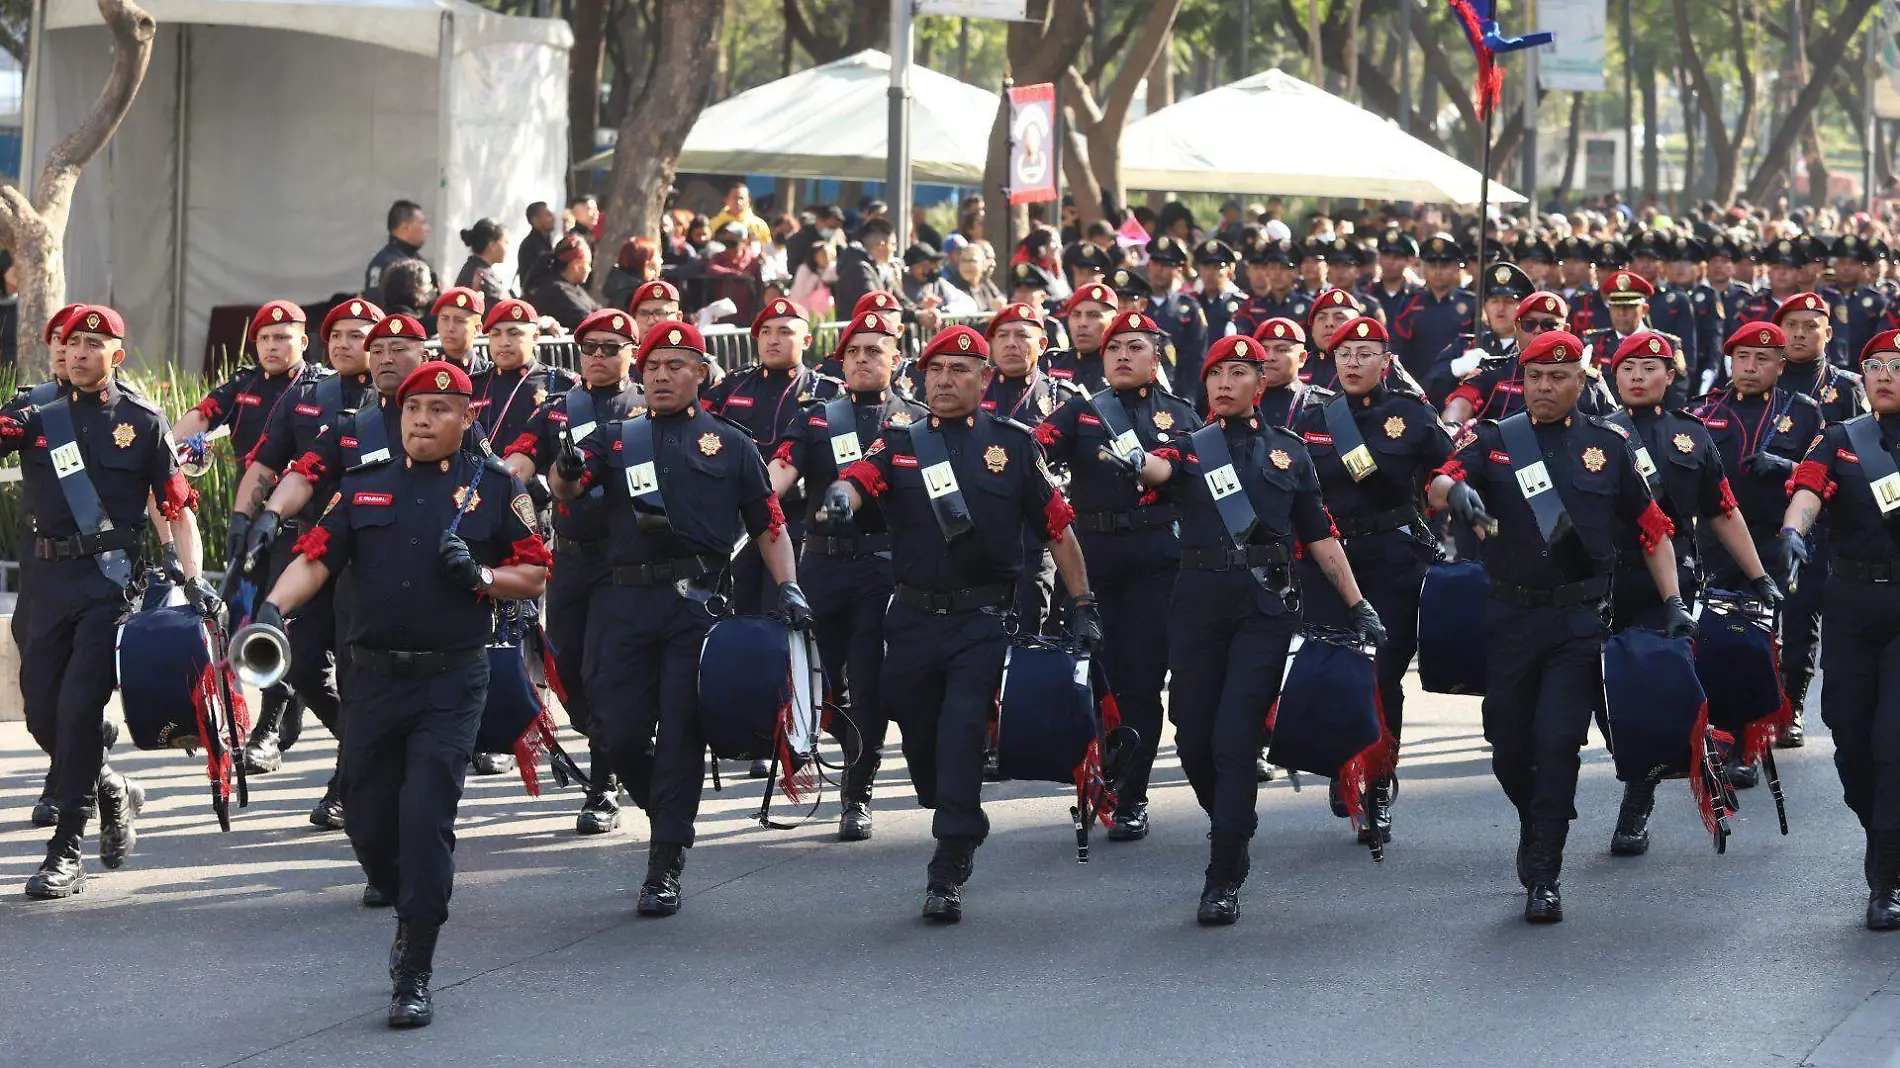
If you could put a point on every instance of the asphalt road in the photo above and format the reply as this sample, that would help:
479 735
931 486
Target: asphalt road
793 949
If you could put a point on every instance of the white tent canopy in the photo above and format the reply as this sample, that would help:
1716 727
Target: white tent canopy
270 137
833 122
1273 133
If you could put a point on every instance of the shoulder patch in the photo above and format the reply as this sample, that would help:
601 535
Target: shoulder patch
523 509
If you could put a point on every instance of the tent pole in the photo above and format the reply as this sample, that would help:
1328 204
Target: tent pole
30 96
1008 250
1484 227
181 192
897 147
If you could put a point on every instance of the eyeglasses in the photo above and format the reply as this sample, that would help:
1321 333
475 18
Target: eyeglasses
1350 356
1538 326
1891 366
602 348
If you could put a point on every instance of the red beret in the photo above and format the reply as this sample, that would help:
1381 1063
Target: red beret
1644 343
609 320
1360 329
354 308
571 248
1885 341
658 289
1626 287
1755 335
669 334
868 323
876 301
958 340
510 311
276 311
57 323
1280 328
1545 302
1333 298
94 319
1801 302
1234 347
1014 313
1553 346
398 326
779 308
1130 322
461 298
436 376
1094 291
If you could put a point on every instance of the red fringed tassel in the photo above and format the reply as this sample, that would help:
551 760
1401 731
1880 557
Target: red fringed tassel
775 522
1046 434
553 676
240 710
208 408
1375 761
1057 515
1727 504
1699 785
178 496
1812 476
1111 713
204 696
783 454
309 465
314 545
529 550
1490 82
1453 469
1653 527
523 445
536 740
865 475
1090 787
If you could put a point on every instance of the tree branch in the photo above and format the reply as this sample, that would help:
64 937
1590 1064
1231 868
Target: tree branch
1112 47
132 32
820 48
1154 32
1833 46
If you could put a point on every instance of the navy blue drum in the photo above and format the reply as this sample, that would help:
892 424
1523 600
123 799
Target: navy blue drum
1451 646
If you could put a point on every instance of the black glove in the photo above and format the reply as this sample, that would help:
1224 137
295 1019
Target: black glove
1766 591
203 597
570 465
1680 624
1365 622
837 507
263 532
267 615
235 541
459 562
1794 550
1768 465
1129 464
174 569
1085 625
793 606
1467 507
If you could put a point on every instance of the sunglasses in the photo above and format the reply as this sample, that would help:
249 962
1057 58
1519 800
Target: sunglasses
1891 366
602 348
1538 326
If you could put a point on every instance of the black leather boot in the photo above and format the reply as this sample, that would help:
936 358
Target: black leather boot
120 801
950 867
45 811
1796 735
263 751
1263 771
1631 838
1130 823
1742 776
1380 794
1544 862
1524 851
328 813
291 728
412 966
1226 869
854 823
62 874
493 763
374 897
1883 898
600 814
660 894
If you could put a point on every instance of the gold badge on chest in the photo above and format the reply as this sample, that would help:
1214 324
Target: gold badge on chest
1164 420
1043 404
1395 427
1683 443
900 418
710 444
123 435
463 501
1280 459
996 458
1784 424
1593 459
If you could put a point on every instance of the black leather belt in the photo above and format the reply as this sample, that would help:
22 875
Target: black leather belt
78 545
1591 589
1377 523
591 548
688 567
954 600
1149 518
1243 559
1863 570
402 664
862 545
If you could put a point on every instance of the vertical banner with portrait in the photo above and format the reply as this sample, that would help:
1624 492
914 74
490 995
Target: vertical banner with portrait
1032 143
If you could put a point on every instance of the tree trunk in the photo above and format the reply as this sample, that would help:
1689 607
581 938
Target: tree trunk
1352 50
1832 47
1724 150
1438 68
583 83
1652 152
1101 126
1573 146
1313 54
36 229
658 120
1686 96
1161 95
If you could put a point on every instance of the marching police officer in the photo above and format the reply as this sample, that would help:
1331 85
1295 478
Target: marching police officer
1627 296
1373 446
1858 307
682 486
1089 311
1670 310
846 568
1676 455
1686 256
1175 309
432 541
1128 535
97 455
606 394
956 489
1437 313
458 315
514 384
1731 272
1849 472
1284 389
1332 309
1247 494
1495 388
1397 253
1271 272
1221 300
1567 495
1505 288
1785 263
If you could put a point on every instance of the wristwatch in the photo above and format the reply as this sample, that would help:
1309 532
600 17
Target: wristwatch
488 577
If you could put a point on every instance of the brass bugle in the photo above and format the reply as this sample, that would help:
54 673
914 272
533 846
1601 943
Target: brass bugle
260 654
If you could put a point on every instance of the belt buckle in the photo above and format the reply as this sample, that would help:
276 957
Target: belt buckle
939 604
402 663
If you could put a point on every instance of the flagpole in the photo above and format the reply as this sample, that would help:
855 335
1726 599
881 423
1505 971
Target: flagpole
1484 224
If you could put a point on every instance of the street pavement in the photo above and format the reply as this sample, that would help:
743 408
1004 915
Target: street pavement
793 949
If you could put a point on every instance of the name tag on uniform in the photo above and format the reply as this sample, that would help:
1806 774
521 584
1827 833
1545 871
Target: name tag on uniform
642 479
1887 493
1533 479
579 433
1125 443
844 448
1644 464
373 457
1222 482
66 459
940 480
1359 463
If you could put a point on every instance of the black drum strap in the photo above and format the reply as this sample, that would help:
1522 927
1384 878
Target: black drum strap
1639 449
44 393
581 417
1533 477
841 419
82 498
1876 463
643 475
1223 483
940 481
1122 439
1347 441
372 437
329 395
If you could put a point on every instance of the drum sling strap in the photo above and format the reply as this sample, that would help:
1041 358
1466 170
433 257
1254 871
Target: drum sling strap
1223 484
1347 441
82 499
1122 439
1639 450
841 418
581 416
372 436
940 482
44 393
1876 463
643 477
1533 478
